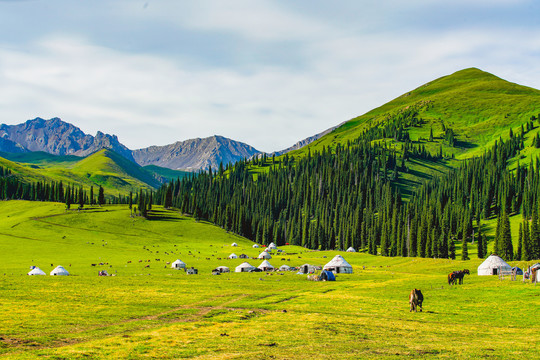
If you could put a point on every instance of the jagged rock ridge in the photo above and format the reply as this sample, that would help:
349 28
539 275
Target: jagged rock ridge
57 137
195 154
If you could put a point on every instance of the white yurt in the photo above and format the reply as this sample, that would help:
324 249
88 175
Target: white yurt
36 271
338 265
307 269
178 264
493 265
255 246
266 266
264 255
284 268
223 269
272 246
351 249
59 270
234 244
244 267
233 256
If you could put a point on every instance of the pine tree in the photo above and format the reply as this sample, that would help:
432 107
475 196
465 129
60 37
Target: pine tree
451 248
480 244
81 198
465 250
101 196
534 235
130 202
506 239
525 246
520 243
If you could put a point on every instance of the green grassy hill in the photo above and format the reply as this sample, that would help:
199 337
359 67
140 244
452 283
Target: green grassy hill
148 310
478 106
116 174
107 168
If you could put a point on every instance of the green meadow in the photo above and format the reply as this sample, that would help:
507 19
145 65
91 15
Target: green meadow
148 310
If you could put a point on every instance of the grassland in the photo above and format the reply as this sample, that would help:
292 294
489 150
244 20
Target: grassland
157 312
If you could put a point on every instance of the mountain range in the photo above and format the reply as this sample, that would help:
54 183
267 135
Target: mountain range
57 137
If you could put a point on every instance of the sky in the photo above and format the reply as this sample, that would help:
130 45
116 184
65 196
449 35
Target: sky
267 73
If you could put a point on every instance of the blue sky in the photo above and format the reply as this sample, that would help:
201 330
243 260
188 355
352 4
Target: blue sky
268 73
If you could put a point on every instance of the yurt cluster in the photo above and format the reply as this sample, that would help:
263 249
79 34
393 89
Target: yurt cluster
337 265
267 260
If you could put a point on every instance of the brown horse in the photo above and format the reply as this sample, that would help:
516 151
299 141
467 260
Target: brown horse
457 276
415 300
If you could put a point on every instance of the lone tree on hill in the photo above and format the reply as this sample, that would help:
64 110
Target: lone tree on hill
101 196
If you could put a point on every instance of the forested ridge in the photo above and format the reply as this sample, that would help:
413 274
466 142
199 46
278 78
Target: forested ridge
349 196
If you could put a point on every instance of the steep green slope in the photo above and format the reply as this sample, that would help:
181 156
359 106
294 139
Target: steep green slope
479 107
109 169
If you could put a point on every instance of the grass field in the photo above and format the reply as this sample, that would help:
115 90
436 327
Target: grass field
157 312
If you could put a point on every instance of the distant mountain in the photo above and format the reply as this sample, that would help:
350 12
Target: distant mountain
195 154
56 137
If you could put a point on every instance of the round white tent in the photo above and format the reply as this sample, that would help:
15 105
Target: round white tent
272 246
264 255
59 270
244 267
338 265
284 268
266 266
351 249
494 265
256 246
233 256
178 264
36 271
234 244
223 269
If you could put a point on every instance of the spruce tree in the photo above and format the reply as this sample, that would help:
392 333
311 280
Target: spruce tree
520 243
101 196
506 239
465 250
81 197
480 244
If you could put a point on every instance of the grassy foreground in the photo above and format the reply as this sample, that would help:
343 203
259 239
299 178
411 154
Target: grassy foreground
156 312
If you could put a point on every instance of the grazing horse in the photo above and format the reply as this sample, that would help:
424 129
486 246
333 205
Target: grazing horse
415 299
457 276
451 278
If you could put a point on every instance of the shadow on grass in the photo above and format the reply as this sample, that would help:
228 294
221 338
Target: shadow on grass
465 145
161 215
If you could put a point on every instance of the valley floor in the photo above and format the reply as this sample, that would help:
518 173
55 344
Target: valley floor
157 312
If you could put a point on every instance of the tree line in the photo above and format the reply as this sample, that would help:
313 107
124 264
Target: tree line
350 197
